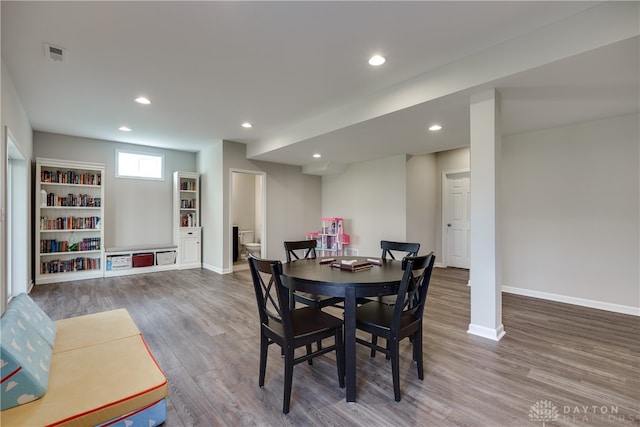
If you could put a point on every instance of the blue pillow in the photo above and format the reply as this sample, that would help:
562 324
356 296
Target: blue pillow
34 316
25 359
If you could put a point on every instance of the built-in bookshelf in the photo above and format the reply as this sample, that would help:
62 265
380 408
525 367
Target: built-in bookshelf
69 206
186 219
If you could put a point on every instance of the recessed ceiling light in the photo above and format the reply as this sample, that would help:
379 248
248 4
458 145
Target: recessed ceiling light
143 100
434 128
317 156
124 129
376 60
247 125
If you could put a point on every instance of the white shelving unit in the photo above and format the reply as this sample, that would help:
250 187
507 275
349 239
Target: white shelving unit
137 260
186 219
69 205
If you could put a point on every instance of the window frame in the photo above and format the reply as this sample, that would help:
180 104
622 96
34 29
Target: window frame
139 153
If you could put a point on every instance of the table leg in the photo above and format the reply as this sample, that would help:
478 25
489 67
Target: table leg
350 342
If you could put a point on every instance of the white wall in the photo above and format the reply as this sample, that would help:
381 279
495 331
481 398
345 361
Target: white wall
137 212
571 213
293 205
15 118
209 161
243 201
422 203
372 198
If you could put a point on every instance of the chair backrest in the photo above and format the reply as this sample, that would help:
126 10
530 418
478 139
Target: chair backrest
271 295
409 249
300 249
412 294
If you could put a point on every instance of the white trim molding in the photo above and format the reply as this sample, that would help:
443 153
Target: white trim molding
482 331
600 305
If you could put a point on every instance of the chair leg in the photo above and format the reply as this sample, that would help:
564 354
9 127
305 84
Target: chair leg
374 341
417 353
264 347
309 351
388 348
340 357
288 379
394 348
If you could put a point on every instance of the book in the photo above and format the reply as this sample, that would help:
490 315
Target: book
357 266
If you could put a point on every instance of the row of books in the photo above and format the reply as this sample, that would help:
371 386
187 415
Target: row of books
70 223
70 177
71 200
65 266
188 186
51 245
188 204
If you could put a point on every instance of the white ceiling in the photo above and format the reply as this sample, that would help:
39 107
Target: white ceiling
298 71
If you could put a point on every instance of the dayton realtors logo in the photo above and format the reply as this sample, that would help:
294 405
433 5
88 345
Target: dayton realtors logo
545 411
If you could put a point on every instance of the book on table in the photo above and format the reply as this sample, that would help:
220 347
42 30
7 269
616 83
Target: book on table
356 266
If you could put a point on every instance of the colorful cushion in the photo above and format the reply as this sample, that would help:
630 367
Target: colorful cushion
91 329
33 314
149 416
94 384
25 359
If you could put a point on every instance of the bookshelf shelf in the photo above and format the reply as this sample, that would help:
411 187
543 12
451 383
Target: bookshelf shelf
186 219
69 206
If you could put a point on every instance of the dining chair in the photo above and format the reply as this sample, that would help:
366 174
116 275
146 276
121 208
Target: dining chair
408 248
290 329
388 248
403 319
306 249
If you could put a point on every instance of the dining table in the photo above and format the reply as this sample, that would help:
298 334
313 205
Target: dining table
317 276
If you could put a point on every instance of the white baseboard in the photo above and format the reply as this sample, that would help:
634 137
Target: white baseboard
483 331
216 269
617 308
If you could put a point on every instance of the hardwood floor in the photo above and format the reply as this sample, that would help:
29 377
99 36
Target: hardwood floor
583 364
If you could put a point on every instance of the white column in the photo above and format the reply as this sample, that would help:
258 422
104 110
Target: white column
486 268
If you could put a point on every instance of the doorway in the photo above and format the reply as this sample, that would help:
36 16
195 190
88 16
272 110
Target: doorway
17 233
248 217
456 227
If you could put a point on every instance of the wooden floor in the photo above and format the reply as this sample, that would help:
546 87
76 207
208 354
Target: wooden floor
583 364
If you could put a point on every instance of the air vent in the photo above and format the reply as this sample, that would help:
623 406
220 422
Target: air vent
55 53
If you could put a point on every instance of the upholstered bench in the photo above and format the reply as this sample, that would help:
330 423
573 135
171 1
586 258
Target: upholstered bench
93 370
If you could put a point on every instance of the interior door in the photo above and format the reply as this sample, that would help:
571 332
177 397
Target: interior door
458 220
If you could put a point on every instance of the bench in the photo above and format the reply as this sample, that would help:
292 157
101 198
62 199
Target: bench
88 370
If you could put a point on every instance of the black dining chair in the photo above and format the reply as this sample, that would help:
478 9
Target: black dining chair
403 319
290 329
407 248
400 248
306 249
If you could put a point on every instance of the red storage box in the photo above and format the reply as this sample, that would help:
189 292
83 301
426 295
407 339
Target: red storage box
143 260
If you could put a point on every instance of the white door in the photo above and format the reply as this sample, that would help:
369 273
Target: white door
458 197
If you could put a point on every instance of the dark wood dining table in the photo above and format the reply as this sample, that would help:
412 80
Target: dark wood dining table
309 275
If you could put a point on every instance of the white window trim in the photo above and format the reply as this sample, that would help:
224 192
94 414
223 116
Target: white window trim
141 153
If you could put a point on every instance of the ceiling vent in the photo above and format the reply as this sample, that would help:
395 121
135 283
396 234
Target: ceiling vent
55 53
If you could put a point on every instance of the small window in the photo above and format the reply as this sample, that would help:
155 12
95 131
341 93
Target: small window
139 165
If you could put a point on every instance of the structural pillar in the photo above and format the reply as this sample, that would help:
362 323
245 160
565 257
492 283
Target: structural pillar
485 246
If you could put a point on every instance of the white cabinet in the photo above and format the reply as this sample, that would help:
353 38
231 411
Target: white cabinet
69 207
189 248
186 219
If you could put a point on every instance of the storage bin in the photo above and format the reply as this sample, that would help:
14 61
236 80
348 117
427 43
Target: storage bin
118 262
167 257
143 260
